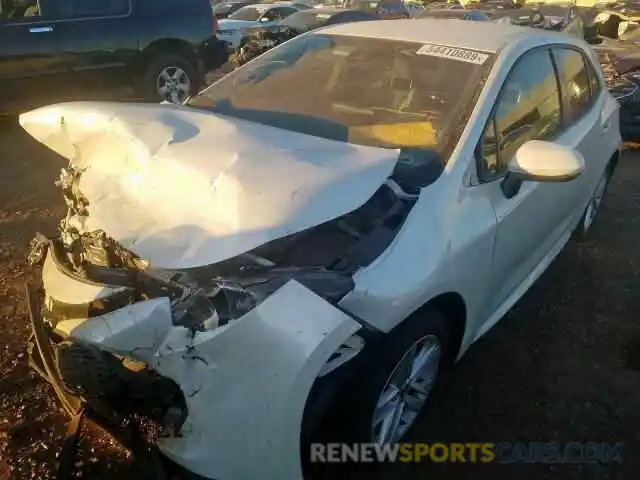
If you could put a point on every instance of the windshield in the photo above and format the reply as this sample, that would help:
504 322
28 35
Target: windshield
246 13
412 96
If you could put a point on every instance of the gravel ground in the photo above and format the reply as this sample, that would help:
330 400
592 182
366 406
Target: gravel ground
561 367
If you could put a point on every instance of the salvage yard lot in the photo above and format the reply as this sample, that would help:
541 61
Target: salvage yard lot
563 366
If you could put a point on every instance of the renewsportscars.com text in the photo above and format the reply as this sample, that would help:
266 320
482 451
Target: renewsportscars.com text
487 452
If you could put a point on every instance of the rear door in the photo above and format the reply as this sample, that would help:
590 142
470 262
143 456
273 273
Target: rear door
29 60
589 116
99 44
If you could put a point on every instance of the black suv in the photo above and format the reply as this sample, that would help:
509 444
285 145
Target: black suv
56 50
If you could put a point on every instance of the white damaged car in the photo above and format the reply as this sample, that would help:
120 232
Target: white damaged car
323 230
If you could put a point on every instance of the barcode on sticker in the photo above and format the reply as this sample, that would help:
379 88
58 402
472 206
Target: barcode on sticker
460 54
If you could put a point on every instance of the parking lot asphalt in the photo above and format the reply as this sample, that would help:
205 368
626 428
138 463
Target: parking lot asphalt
562 366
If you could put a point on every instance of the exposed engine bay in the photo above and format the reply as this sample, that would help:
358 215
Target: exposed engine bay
133 394
322 258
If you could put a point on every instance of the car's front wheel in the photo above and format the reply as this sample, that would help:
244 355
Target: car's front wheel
406 390
398 372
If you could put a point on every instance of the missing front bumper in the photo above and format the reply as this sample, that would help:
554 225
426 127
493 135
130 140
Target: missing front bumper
246 385
43 360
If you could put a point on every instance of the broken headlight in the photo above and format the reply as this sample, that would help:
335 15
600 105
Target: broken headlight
231 298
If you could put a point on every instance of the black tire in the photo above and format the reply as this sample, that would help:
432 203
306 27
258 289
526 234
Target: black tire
582 229
349 416
158 65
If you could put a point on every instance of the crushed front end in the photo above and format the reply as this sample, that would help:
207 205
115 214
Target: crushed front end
154 357
182 294
118 393
210 363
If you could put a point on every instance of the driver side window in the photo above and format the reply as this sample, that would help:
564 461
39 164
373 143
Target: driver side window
528 108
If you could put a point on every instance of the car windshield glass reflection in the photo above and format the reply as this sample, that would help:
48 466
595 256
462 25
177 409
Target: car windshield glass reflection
412 100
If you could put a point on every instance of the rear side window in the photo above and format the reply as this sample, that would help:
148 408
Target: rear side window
92 8
575 81
528 108
594 80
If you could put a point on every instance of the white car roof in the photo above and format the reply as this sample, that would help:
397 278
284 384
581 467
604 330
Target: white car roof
484 36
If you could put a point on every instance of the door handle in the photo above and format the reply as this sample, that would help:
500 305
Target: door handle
41 29
606 125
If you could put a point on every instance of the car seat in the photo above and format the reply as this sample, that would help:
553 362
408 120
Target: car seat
401 85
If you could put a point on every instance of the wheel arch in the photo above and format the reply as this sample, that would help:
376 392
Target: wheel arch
170 46
613 162
450 305
453 307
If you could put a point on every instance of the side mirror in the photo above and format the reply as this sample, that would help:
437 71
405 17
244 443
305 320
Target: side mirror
541 161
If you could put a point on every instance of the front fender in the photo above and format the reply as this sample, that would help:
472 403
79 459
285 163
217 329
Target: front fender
245 419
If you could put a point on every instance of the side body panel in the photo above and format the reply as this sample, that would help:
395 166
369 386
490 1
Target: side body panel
454 248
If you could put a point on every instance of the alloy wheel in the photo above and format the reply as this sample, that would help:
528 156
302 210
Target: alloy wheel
406 390
595 202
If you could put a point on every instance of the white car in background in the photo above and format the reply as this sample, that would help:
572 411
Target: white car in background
317 235
234 28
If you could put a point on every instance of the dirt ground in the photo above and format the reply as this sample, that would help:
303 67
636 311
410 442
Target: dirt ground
563 365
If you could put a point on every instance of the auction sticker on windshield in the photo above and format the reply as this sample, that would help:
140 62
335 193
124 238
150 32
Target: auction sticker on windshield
461 54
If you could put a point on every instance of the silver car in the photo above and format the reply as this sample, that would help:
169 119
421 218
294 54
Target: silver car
323 230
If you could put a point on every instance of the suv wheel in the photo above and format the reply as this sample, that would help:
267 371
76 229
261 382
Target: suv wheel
171 78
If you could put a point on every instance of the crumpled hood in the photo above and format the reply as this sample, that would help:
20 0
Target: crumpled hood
182 188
